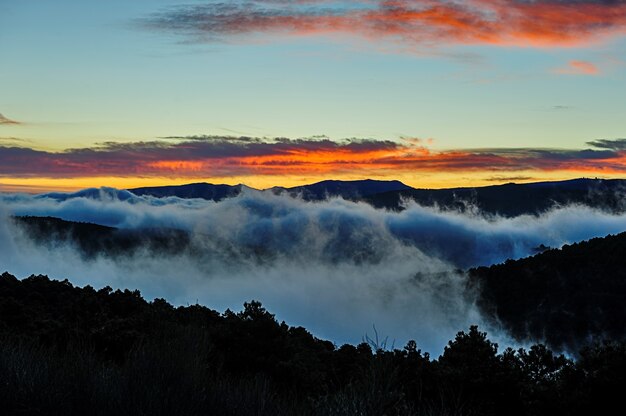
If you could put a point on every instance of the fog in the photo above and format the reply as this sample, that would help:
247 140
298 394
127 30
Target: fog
336 267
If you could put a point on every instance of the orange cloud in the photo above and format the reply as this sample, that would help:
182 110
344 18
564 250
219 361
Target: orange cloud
227 157
578 68
539 23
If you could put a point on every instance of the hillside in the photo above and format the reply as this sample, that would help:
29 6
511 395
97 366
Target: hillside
66 350
93 239
567 296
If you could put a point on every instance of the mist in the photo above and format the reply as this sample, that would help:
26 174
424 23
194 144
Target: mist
336 267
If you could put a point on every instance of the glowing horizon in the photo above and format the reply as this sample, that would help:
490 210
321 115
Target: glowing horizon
263 92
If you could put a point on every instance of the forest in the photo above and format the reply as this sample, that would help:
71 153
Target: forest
565 296
67 350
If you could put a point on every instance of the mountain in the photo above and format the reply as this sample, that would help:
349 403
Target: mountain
566 296
316 191
512 199
193 190
507 200
103 193
345 189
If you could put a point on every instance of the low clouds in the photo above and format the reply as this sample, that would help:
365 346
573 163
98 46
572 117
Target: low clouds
219 157
412 24
7 121
334 266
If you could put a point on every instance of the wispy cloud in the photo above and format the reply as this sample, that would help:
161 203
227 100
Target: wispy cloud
412 23
562 107
578 68
217 156
612 144
14 140
7 121
510 178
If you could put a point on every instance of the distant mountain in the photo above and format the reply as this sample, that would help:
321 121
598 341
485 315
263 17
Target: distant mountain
193 190
567 296
316 191
91 193
345 189
513 199
507 200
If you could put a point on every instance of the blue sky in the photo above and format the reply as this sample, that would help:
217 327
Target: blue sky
76 73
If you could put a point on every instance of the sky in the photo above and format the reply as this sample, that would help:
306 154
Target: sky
276 92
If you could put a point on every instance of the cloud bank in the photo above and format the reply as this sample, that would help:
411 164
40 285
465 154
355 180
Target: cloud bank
219 157
412 24
335 267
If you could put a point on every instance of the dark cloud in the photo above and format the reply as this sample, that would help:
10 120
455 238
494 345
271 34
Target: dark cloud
413 23
217 147
613 144
501 179
215 155
218 156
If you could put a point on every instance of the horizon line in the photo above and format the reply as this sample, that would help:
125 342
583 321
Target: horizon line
42 189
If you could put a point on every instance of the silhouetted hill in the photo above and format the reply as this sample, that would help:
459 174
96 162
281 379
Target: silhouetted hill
345 189
192 190
513 199
506 200
67 351
316 191
93 239
568 296
91 193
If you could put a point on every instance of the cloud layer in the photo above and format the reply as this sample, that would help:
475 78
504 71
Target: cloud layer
412 24
217 157
336 267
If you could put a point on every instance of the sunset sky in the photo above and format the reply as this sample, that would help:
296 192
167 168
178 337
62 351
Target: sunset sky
277 92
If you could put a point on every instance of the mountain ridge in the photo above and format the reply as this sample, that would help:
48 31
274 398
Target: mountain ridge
509 199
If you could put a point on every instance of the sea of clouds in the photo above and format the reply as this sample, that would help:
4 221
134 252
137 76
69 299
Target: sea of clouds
336 267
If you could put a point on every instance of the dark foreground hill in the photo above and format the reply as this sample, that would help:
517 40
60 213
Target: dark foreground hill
566 297
66 350
93 239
